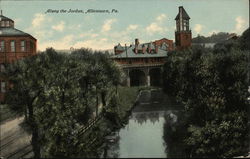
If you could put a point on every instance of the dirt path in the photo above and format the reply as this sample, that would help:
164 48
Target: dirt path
14 141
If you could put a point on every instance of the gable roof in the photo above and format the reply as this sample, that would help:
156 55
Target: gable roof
184 14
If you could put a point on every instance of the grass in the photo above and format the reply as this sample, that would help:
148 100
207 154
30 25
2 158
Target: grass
147 88
127 98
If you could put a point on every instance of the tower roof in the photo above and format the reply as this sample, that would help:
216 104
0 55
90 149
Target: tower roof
12 32
3 18
184 14
7 28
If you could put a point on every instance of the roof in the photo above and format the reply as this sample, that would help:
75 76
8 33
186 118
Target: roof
3 18
184 14
162 51
119 47
12 32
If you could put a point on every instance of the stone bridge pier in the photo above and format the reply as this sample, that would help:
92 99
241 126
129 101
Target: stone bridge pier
143 76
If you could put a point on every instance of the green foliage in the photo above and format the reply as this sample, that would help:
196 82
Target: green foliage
213 87
214 38
244 40
58 94
220 138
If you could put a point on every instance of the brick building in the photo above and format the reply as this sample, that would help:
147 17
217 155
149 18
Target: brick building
157 50
183 35
153 52
142 63
14 45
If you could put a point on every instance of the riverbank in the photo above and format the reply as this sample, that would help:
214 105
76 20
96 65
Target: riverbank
142 136
116 116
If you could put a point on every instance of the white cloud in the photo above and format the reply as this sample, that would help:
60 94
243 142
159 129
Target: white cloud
212 32
89 34
132 27
198 28
154 27
240 26
74 27
161 17
59 26
17 21
41 34
38 20
39 27
64 43
107 24
94 35
96 44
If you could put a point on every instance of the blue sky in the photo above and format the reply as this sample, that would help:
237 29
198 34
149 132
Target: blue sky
147 20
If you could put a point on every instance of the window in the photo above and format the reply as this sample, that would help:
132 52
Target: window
2 68
3 87
1 46
23 45
2 24
7 23
11 24
31 46
186 25
178 25
12 46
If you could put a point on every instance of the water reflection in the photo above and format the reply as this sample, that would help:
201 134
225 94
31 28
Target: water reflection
174 135
143 135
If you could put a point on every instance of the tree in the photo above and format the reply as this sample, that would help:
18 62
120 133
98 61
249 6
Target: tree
46 88
212 85
29 79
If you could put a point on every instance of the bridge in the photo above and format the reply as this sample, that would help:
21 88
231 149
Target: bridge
143 74
143 63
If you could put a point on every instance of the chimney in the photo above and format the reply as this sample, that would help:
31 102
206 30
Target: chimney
136 42
136 45
156 49
143 49
126 50
115 50
149 47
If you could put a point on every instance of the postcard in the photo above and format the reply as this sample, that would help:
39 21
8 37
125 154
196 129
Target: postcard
124 79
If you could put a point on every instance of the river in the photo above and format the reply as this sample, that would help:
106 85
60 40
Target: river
143 135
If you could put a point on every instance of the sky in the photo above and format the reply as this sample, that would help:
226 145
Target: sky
147 20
